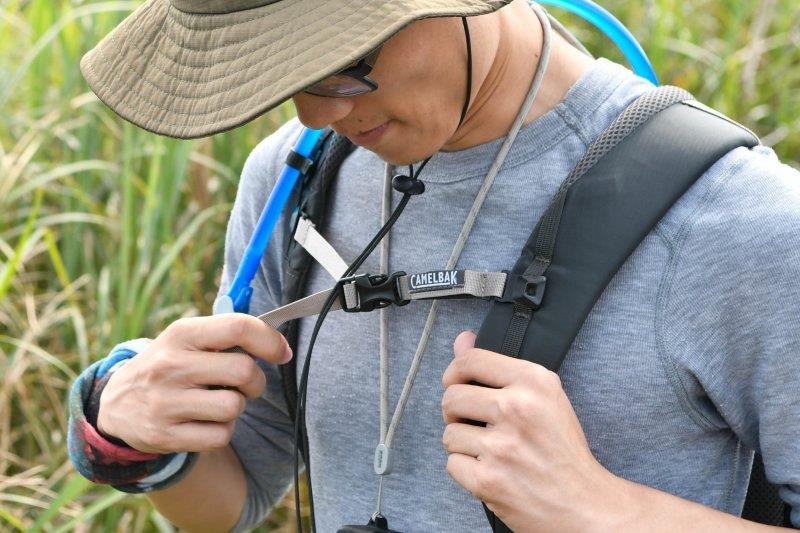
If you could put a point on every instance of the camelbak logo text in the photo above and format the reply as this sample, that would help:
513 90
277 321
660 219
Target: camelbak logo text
437 280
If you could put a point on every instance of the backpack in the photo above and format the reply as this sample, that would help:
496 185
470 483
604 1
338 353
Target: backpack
585 235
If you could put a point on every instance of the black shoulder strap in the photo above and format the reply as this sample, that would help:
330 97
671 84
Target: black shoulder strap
763 503
623 186
310 200
626 182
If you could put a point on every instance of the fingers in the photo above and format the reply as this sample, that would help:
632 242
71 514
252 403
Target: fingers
220 368
208 405
488 368
200 436
464 439
469 402
220 332
464 341
462 469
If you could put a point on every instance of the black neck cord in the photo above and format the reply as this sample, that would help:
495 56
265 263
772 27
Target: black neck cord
469 72
411 186
300 409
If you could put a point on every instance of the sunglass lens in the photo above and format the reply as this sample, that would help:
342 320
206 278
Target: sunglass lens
338 86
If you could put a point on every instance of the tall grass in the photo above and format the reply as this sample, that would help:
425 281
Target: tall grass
108 232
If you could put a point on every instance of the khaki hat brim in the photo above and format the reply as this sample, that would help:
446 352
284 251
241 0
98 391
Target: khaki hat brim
189 75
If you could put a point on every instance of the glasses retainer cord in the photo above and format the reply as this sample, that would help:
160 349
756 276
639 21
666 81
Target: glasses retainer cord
303 386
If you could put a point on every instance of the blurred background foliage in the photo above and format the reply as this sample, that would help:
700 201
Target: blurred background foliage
108 232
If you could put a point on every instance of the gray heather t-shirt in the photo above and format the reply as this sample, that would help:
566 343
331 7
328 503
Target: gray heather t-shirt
688 362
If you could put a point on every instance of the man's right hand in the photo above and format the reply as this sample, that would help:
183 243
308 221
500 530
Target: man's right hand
160 400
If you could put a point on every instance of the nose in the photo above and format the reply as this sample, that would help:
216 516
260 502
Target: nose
319 111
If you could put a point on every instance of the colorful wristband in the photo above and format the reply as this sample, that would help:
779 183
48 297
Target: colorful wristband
107 460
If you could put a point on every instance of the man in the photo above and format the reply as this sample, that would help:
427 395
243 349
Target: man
686 364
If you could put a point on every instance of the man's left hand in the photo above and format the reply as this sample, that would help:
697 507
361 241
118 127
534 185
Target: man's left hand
531 463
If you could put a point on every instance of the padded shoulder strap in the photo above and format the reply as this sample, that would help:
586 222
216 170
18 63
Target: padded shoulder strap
624 185
310 199
626 182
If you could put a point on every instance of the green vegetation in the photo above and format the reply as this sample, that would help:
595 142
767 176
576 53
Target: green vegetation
108 232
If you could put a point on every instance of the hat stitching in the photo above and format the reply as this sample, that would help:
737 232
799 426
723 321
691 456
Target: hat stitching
193 126
185 97
171 10
183 47
173 77
224 61
239 10
133 74
141 96
284 65
207 16
416 15
462 4
423 11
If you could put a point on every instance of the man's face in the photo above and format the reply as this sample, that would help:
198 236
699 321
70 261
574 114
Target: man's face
421 76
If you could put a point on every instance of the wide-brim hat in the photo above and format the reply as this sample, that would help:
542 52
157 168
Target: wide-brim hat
192 68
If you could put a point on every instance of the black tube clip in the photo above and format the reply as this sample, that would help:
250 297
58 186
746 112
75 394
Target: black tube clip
408 185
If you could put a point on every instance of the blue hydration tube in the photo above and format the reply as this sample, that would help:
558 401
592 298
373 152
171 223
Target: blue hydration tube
614 29
240 289
238 296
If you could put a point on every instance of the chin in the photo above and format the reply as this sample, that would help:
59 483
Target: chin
401 146
401 158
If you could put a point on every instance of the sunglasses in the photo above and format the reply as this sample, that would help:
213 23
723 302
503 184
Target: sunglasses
351 81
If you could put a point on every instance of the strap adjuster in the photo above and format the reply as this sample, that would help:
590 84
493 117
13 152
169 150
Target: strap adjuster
525 291
299 162
371 292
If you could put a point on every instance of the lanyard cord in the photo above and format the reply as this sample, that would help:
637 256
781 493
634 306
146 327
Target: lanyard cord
388 222
300 410
387 431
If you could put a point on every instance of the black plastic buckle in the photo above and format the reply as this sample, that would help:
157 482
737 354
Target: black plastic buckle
374 291
524 291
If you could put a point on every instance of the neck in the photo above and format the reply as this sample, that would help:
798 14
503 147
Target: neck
504 78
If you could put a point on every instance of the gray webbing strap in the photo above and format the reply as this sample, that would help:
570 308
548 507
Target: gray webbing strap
308 306
477 284
320 249
470 284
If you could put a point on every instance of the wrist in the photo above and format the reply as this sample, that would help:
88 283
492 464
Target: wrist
98 457
626 505
98 412
614 505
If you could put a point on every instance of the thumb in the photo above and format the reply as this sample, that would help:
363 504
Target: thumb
464 341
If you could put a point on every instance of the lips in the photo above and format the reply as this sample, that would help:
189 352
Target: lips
370 136
362 132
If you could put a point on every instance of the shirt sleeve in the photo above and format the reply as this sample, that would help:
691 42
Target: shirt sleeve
733 309
263 437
